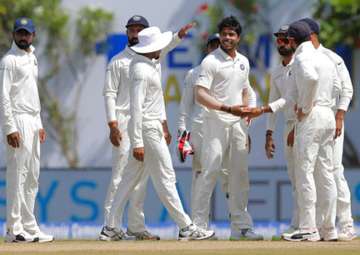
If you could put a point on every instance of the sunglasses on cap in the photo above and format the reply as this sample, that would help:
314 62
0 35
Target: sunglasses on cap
282 40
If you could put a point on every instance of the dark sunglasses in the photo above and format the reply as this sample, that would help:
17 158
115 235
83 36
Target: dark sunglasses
283 40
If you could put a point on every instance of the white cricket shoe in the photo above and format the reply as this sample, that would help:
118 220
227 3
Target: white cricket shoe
114 234
23 237
289 232
347 234
41 237
303 235
193 232
328 235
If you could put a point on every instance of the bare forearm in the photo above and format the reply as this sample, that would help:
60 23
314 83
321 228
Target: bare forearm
204 98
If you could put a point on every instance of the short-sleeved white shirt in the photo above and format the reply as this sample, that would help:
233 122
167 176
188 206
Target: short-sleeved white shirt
225 78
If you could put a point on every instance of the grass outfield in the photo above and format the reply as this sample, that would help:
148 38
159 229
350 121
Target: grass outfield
186 248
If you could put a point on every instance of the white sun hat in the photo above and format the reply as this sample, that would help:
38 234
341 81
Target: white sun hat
151 39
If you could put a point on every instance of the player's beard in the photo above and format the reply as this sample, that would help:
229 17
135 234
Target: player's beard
133 41
285 51
22 44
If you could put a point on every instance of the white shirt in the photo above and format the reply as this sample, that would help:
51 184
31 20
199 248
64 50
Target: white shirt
146 96
117 80
279 85
189 109
18 87
315 78
344 93
225 78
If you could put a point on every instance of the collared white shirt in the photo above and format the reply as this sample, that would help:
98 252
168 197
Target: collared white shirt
225 78
279 85
18 87
146 96
344 93
315 78
117 80
189 109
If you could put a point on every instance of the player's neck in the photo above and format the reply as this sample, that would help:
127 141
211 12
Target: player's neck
286 60
230 52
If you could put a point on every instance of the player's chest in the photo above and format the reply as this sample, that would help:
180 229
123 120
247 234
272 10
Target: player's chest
232 70
26 67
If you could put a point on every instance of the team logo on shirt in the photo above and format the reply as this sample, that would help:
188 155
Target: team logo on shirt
242 67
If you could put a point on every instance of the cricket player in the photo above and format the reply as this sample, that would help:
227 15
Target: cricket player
116 95
23 130
315 78
280 84
220 88
342 96
189 110
150 153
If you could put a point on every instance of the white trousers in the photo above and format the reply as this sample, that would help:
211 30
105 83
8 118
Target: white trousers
314 144
290 162
343 210
157 163
196 142
136 218
22 174
219 140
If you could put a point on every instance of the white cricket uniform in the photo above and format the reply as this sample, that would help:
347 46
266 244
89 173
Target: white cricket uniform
315 78
224 134
20 112
117 105
343 96
191 111
280 83
147 113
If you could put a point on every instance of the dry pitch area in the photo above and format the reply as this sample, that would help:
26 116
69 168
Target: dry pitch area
177 248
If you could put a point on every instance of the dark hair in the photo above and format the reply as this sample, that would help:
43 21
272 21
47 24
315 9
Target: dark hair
230 22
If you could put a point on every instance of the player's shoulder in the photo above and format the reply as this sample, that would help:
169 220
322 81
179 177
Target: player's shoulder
277 70
242 57
8 60
334 57
121 58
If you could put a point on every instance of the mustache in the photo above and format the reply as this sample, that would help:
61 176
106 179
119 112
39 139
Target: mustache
133 41
285 51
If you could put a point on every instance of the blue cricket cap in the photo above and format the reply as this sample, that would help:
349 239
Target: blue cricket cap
24 23
137 20
299 30
314 26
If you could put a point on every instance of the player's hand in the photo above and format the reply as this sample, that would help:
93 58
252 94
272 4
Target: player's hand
269 147
42 135
166 131
185 29
168 137
299 114
13 139
139 153
115 134
255 112
240 110
339 118
291 138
